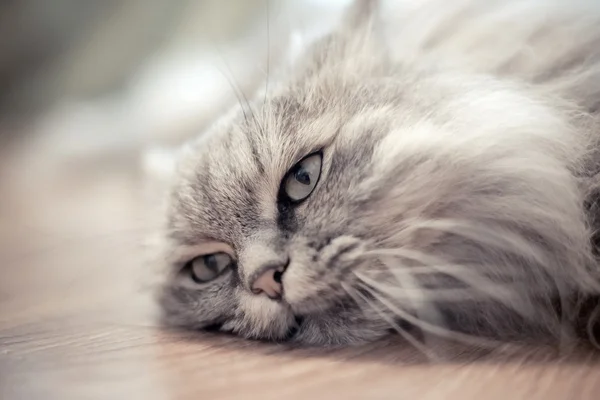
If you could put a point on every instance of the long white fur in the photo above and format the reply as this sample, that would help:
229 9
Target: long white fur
490 110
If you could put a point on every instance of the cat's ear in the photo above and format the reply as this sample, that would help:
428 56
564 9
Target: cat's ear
360 15
357 34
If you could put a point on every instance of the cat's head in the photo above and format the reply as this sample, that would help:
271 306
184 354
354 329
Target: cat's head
361 194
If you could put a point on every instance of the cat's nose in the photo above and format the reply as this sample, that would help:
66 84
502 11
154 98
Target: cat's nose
268 281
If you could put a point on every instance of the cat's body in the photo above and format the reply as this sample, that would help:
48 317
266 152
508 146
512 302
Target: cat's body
457 148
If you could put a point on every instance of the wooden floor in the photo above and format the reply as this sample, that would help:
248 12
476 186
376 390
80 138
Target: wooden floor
76 317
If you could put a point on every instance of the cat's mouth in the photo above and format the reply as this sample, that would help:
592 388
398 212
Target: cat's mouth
294 329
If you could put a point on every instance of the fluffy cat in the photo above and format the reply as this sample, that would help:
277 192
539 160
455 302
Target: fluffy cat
433 166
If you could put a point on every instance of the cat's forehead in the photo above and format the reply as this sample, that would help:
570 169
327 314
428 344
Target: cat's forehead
228 180
264 138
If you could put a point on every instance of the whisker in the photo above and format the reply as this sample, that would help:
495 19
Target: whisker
432 264
431 328
357 296
421 301
500 239
268 66
237 91
477 283
418 295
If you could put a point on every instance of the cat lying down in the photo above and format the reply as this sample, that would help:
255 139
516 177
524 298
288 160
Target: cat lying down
434 166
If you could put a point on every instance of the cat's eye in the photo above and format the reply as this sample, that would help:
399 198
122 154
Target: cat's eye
208 267
302 179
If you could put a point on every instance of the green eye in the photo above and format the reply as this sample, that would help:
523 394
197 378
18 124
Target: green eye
302 179
206 268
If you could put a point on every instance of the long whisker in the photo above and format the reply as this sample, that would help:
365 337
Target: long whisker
431 328
504 293
511 243
498 238
422 304
237 91
358 297
268 66
420 295
434 265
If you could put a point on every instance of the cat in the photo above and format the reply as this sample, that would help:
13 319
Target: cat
433 167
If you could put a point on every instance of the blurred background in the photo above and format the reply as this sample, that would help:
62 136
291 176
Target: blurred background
94 96
153 69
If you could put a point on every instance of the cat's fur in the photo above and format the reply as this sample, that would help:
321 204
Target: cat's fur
457 191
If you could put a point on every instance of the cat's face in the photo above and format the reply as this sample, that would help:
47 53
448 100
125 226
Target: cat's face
287 192
280 221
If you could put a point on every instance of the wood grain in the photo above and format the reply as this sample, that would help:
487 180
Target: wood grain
76 318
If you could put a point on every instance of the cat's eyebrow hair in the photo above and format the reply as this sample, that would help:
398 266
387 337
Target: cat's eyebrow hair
255 154
190 239
183 252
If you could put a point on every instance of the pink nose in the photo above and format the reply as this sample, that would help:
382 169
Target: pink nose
269 282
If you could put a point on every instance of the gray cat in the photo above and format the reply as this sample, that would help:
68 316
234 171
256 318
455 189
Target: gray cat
433 168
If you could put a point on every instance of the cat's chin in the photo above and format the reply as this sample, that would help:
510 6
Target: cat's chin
334 329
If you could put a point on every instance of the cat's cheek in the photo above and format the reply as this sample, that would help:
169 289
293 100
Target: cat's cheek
314 282
307 288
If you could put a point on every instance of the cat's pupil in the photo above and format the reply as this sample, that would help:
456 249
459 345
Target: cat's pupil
211 263
302 176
